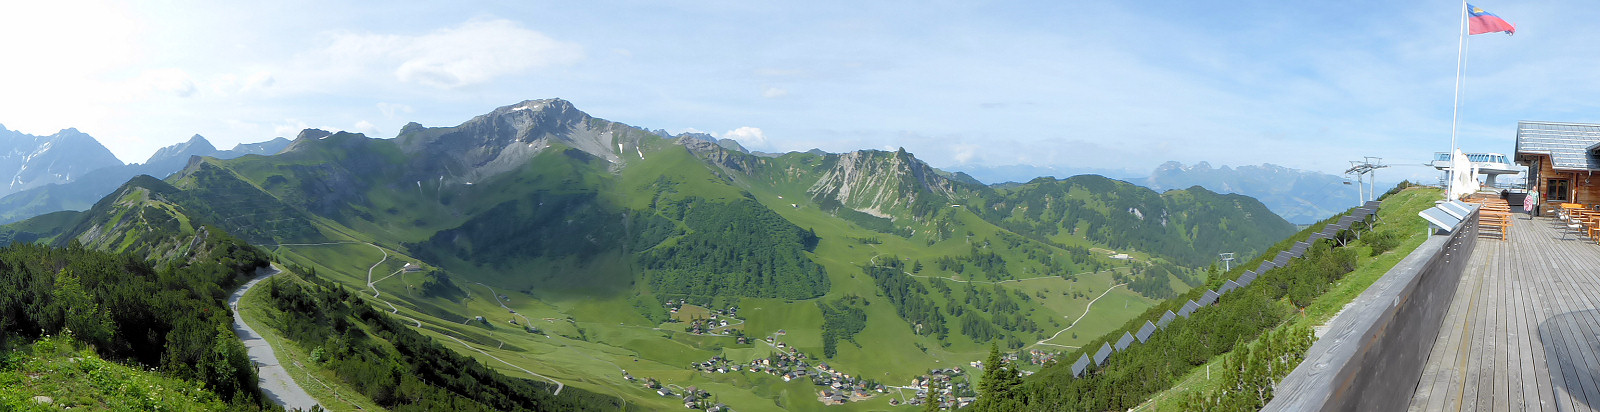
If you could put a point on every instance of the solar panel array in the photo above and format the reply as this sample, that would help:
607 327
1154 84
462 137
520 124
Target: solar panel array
1228 286
1079 366
1165 319
1283 258
1187 309
1122 344
1145 332
1359 214
1208 298
1448 215
1247 278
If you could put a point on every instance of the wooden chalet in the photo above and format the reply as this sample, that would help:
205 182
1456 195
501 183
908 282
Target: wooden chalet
1562 161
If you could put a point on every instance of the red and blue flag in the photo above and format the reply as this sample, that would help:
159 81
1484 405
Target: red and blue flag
1481 22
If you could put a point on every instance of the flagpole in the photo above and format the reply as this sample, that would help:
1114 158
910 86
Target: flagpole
1455 108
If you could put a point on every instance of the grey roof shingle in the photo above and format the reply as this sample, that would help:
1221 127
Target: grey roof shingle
1569 145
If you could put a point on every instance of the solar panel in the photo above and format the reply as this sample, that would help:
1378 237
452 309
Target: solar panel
1282 259
1144 332
1246 278
1208 298
1081 365
1165 319
1127 339
1299 248
1317 236
1455 209
1101 355
1265 266
1440 219
1187 309
1372 204
1227 286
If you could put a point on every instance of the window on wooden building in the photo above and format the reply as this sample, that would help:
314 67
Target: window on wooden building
1556 190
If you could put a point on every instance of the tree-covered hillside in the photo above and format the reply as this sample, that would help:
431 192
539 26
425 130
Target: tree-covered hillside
1188 226
608 248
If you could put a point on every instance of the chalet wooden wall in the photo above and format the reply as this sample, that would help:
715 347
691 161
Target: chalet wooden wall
1583 187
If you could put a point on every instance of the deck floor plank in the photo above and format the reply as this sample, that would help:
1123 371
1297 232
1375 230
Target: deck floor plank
1523 331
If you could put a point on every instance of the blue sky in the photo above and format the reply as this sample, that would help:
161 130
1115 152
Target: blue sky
1102 85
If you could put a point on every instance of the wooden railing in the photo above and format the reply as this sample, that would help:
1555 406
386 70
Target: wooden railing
1372 355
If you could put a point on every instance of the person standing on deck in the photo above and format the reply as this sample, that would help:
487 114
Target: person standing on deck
1531 203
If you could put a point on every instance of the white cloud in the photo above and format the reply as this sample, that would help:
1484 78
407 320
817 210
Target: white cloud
168 81
772 92
367 128
964 152
292 127
391 109
692 130
474 52
748 136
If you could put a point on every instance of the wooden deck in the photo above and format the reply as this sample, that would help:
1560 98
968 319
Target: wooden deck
1523 331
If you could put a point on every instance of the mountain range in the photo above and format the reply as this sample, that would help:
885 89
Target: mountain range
1299 196
594 235
48 179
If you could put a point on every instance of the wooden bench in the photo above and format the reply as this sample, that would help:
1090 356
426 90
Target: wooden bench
1500 222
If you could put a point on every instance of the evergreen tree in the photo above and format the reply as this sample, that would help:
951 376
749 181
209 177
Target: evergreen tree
931 404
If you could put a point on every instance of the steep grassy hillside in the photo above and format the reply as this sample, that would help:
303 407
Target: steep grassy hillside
555 246
1248 340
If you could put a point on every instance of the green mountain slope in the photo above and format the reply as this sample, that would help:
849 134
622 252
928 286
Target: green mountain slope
589 248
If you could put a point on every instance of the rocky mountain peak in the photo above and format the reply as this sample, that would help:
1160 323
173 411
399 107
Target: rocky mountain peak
311 134
196 146
877 182
508 136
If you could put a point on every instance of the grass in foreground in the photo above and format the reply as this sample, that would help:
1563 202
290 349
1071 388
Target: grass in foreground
73 377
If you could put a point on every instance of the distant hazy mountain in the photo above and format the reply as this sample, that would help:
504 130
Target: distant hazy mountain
29 161
1299 196
994 175
83 189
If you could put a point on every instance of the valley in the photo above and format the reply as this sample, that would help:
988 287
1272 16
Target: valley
549 245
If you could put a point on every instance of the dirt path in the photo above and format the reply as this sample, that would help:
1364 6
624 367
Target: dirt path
1080 318
559 386
275 380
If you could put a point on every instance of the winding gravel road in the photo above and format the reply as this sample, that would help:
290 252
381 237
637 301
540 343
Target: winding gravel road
275 380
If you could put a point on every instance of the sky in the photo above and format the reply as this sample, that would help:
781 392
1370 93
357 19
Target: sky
1111 85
